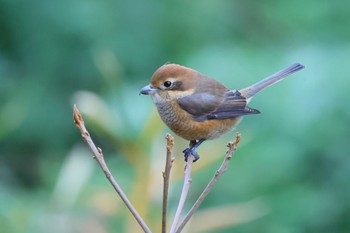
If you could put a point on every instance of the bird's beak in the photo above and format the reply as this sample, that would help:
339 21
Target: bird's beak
146 90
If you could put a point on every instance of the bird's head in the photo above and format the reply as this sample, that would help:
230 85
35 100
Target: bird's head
171 82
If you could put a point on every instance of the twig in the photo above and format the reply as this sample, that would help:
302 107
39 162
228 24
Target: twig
79 122
185 189
166 176
232 146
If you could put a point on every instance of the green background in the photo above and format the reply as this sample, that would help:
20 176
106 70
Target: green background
291 170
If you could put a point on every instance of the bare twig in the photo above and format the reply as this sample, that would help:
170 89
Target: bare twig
166 176
232 146
185 189
79 122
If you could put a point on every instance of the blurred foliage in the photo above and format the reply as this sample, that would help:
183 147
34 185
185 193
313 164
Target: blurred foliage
291 171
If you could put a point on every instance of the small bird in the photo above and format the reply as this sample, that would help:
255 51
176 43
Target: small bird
199 108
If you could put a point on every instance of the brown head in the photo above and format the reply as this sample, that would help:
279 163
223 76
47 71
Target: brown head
172 81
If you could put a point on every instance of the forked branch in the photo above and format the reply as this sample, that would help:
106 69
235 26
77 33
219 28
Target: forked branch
185 189
232 146
176 227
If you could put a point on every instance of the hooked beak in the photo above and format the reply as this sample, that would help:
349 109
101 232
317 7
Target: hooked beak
146 90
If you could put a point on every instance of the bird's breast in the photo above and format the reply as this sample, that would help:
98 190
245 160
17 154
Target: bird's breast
183 124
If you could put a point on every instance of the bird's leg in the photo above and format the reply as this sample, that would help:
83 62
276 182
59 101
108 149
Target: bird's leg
192 149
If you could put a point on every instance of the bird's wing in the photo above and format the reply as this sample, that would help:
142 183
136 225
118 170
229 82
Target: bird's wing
208 107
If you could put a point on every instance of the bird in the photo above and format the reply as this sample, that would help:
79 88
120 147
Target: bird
199 108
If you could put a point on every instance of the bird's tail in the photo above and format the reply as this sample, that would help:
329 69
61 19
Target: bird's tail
272 79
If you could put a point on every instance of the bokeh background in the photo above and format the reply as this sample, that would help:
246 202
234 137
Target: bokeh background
290 173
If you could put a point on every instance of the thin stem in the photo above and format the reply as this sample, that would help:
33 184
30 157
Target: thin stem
232 146
79 122
166 176
185 189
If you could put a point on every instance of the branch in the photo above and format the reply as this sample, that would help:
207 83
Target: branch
166 176
185 189
79 122
232 146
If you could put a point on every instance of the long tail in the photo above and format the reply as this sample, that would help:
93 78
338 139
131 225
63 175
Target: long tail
272 79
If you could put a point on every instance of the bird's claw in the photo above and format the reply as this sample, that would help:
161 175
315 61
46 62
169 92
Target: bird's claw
191 151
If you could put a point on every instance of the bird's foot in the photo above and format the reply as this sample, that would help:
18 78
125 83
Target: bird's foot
191 151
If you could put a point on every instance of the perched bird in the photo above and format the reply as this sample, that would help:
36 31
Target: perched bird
198 108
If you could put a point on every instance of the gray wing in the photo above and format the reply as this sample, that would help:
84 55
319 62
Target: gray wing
208 107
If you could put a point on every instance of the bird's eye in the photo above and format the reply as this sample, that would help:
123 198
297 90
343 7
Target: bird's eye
167 84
